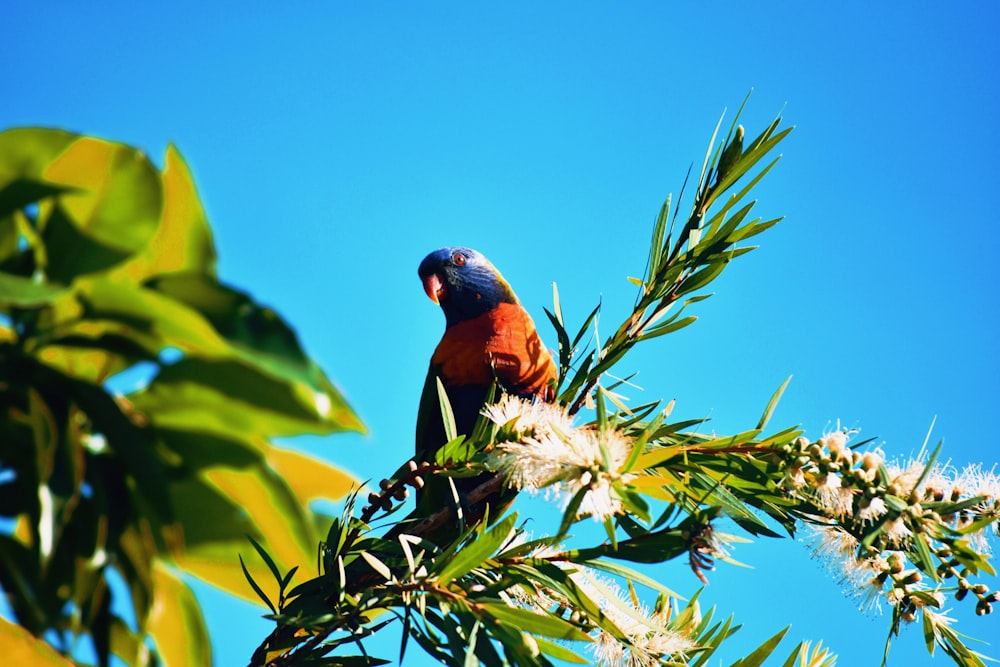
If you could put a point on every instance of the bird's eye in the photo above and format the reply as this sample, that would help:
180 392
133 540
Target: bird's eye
458 259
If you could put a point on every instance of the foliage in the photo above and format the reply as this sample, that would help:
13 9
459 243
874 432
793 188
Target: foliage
107 277
907 535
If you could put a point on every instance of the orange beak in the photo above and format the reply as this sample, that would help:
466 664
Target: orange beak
435 288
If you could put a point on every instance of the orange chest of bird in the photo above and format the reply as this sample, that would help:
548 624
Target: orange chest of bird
501 344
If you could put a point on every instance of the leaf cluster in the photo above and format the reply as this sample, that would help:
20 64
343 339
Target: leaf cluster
138 398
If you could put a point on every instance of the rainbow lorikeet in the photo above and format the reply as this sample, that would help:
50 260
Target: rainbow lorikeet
489 339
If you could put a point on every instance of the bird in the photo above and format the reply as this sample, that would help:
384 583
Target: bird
489 340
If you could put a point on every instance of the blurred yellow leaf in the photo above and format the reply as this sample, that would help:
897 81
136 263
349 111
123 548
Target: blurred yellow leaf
116 198
226 576
276 513
183 240
224 505
654 486
20 647
310 478
176 623
83 363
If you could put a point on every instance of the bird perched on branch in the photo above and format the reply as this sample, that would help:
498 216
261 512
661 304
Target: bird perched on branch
489 339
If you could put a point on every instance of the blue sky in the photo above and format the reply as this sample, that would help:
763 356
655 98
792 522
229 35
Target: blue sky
335 144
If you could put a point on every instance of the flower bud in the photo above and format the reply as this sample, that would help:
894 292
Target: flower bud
871 460
895 563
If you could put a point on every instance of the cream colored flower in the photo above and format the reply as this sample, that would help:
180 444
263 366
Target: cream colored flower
565 461
833 545
649 637
794 478
870 594
835 442
897 532
872 459
872 510
902 479
529 417
832 497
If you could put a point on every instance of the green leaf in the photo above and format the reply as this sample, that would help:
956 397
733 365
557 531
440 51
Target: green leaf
535 623
447 415
703 277
473 555
69 252
668 327
732 506
760 147
118 306
569 515
234 315
930 464
266 558
560 652
657 246
20 292
772 404
634 575
21 192
354 661
819 657
895 503
232 397
256 587
585 326
556 306
381 568
922 557
470 652
131 445
561 335
762 652
261 352
24 151
460 449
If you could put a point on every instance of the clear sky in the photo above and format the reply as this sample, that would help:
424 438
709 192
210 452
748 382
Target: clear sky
335 144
